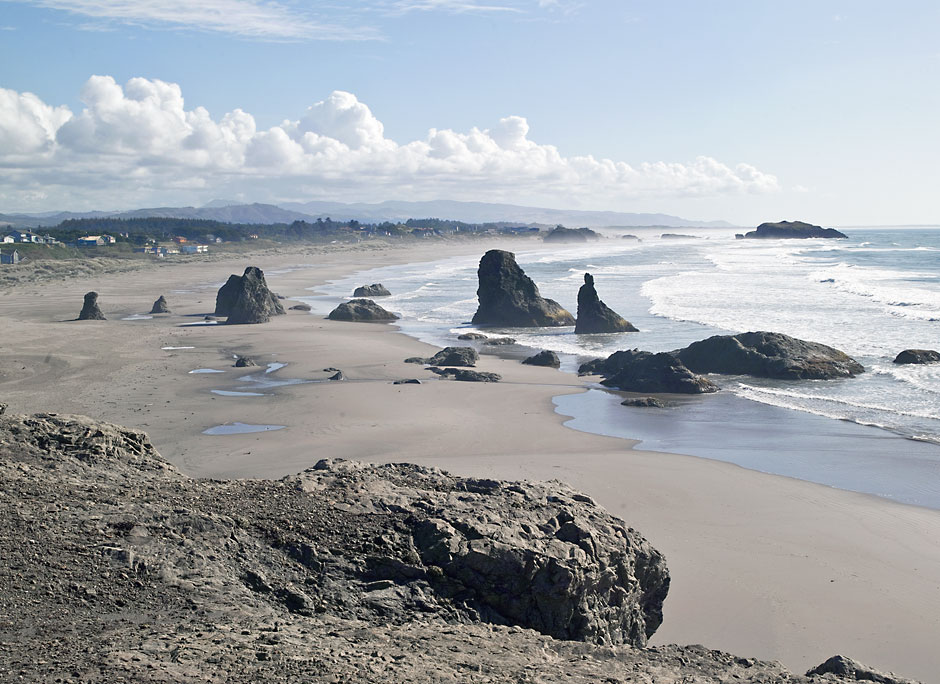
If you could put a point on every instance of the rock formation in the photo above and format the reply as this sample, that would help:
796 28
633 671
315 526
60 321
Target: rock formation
464 375
300 307
455 356
362 311
338 375
644 402
160 306
509 297
471 336
246 299
226 296
596 317
244 362
346 572
543 358
562 234
793 229
407 381
919 356
768 355
498 341
642 371
373 290
90 310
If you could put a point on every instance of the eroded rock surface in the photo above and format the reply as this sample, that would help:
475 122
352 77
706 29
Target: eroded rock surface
793 229
596 317
253 301
455 356
361 311
373 290
160 306
918 356
466 375
546 357
642 371
90 310
509 297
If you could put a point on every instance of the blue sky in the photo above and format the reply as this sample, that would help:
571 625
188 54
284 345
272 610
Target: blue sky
824 111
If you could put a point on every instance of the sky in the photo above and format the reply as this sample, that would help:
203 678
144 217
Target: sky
743 110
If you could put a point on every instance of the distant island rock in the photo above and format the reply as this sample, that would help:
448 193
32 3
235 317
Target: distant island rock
90 310
160 306
247 300
596 317
373 290
917 356
562 234
768 355
792 229
361 311
509 297
642 371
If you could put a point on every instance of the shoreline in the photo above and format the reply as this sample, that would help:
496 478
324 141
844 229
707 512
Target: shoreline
763 565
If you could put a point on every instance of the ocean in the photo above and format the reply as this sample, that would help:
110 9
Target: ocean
871 295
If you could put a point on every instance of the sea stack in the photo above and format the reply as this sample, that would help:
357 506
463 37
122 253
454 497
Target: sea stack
793 229
90 310
160 306
251 300
227 295
596 317
509 297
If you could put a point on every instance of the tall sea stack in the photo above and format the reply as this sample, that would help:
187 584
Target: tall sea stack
596 317
247 299
509 297
160 306
90 310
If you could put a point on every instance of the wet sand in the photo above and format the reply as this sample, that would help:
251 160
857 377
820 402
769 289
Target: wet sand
762 566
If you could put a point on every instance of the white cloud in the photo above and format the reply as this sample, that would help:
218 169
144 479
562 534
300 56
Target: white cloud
138 143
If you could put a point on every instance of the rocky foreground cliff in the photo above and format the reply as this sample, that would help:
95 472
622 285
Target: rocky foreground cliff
117 568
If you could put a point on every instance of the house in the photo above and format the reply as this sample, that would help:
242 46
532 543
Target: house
7 239
9 257
108 240
29 236
90 241
194 249
179 239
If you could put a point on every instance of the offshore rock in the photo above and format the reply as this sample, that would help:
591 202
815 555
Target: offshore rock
465 375
793 229
373 290
160 306
471 336
252 301
644 402
596 317
918 356
455 356
545 357
562 234
362 311
509 297
768 355
642 371
90 310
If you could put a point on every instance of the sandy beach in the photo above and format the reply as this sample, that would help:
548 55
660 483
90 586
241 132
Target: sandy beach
762 566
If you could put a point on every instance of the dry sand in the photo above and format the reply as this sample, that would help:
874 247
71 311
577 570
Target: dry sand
762 566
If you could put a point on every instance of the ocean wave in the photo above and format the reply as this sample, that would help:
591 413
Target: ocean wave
754 392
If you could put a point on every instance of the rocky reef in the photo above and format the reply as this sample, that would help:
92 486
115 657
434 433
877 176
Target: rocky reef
90 310
509 297
642 371
246 299
918 356
596 317
793 229
160 306
117 568
361 311
373 290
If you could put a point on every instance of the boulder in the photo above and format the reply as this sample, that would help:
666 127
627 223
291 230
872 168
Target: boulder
543 358
160 306
338 375
852 670
509 297
90 310
596 317
562 234
408 381
642 371
244 362
416 359
246 299
918 356
471 336
644 402
373 290
464 375
455 356
792 229
499 341
361 311
768 355
300 307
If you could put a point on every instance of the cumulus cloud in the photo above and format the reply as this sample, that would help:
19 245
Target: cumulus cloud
138 142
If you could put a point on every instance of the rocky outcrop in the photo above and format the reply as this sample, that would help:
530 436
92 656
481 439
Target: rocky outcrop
545 357
644 402
301 307
471 336
464 375
596 317
160 306
362 311
244 362
562 234
853 671
792 229
246 299
347 572
509 297
919 356
407 381
768 355
641 371
90 310
373 290
455 356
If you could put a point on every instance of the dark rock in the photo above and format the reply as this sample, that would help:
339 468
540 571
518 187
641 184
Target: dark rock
846 668
373 290
337 376
562 234
596 317
918 356
90 310
464 375
279 296
331 370
678 236
455 356
543 358
498 341
3 408
160 306
644 402
416 359
471 336
793 229
509 297
246 299
662 372
409 381
768 355
361 311
244 362
631 237
209 318
300 307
